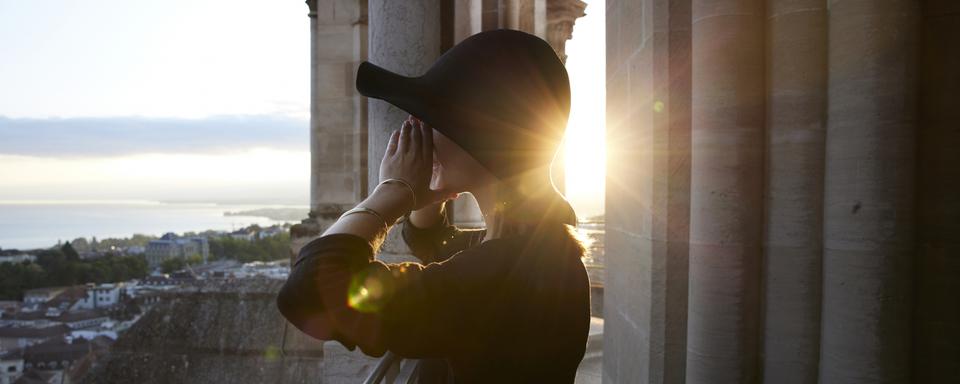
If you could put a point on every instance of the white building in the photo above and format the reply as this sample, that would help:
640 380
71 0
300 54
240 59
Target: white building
243 234
102 296
11 366
41 295
17 258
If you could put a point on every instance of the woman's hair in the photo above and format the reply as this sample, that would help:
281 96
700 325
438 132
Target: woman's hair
540 213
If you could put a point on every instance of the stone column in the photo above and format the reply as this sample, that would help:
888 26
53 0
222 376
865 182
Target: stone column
337 181
869 218
463 21
937 328
520 15
796 122
648 191
338 43
726 209
404 38
337 120
490 15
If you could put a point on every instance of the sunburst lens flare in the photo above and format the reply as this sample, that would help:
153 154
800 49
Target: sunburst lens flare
365 293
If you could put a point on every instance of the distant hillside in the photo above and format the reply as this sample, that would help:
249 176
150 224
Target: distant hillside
279 214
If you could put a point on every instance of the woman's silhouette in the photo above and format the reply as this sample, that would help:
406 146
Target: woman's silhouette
509 303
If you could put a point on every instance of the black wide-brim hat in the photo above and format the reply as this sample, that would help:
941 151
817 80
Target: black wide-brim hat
501 95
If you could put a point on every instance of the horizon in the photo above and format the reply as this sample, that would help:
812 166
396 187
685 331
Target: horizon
184 110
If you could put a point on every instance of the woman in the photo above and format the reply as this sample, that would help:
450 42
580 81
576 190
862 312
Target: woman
509 303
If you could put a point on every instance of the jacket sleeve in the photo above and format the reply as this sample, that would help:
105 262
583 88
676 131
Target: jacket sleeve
439 242
337 291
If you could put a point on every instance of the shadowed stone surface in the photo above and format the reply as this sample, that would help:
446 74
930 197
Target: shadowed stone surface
224 332
796 121
869 192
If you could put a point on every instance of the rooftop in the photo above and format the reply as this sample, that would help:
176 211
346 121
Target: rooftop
31 332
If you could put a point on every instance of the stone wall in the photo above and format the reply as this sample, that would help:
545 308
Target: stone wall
777 187
215 332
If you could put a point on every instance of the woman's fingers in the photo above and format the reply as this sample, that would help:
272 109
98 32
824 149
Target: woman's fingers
404 141
416 137
427 147
392 144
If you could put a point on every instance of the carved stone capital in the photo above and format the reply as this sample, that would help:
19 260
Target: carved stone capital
561 15
312 4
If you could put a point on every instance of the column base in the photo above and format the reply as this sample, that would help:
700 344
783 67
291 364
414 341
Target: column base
319 219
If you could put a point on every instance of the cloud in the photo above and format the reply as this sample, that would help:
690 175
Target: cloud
118 136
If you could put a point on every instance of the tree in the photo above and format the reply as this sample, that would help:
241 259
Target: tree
70 253
52 268
173 264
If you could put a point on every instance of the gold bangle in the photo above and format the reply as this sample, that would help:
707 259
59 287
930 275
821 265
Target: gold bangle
409 187
359 209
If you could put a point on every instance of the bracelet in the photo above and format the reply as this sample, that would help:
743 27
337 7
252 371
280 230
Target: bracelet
359 209
409 187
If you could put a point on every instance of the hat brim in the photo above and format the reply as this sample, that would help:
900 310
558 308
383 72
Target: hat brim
407 93
401 91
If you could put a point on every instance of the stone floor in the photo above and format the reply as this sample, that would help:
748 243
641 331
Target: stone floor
590 371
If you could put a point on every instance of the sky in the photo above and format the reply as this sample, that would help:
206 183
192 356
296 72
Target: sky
194 100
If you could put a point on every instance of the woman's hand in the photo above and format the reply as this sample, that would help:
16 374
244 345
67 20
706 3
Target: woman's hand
409 156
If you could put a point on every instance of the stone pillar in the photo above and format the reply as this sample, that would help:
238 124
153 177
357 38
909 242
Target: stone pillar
869 192
337 114
937 328
490 15
337 182
648 191
519 15
404 38
796 121
463 21
338 43
726 191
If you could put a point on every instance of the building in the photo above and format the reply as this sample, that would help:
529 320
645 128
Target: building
135 250
103 295
61 355
82 319
243 234
41 295
41 376
170 246
71 298
17 258
9 306
38 318
52 317
12 337
270 232
11 365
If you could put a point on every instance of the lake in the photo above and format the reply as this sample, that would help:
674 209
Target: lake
38 224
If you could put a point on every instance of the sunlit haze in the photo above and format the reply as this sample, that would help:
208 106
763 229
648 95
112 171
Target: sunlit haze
132 66
585 149
208 63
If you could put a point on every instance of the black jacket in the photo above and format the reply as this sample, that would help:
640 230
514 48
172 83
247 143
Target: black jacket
515 309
